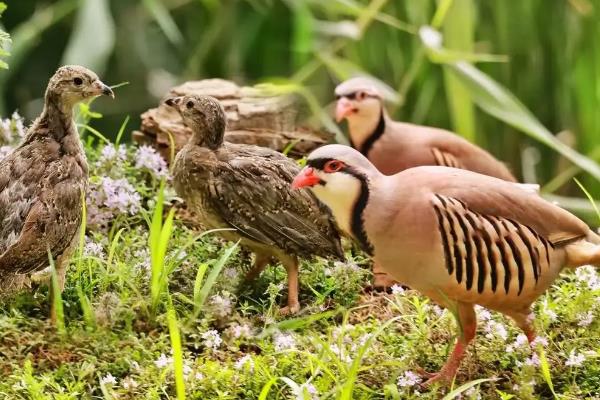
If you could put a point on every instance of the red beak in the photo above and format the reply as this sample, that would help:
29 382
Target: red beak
343 108
305 178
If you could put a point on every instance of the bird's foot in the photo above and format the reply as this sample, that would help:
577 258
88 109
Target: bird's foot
290 309
43 277
443 377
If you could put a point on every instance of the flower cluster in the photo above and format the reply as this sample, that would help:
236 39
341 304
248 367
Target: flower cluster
110 197
147 158
408 379
284 341
220 305
12 131
212 339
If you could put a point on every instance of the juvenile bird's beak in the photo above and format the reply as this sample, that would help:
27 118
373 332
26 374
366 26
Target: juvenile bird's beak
305 178
343 109
173 101
101 89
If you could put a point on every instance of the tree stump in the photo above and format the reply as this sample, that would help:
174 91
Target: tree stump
253 117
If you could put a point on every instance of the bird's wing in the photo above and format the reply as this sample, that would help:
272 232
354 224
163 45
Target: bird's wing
49 222
506 200
445 159
252 192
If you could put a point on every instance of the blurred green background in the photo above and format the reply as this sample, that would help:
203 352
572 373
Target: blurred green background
546 53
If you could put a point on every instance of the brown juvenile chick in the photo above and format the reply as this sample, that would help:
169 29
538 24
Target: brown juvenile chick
42 183
394 146
458 237
247 188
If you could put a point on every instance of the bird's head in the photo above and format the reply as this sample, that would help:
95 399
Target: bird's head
337 175
358 99
204 115
71 84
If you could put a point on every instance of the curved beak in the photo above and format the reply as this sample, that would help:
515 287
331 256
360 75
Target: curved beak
343 109
173 101
101 89
305 178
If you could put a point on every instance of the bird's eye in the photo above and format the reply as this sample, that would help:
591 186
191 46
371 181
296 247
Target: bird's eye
333 166
361 95
189 104
77 81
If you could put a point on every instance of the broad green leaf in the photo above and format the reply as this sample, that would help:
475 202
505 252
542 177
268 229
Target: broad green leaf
93 37
497 101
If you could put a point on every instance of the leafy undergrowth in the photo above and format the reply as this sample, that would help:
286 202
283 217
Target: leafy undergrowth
198 329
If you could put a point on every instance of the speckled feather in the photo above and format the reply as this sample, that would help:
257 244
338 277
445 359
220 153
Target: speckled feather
42 181
248 188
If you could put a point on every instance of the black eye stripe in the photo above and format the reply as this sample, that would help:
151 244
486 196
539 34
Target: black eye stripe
354 95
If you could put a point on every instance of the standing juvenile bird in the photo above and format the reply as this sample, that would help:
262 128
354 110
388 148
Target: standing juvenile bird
459 237
395 146
247 188
43 180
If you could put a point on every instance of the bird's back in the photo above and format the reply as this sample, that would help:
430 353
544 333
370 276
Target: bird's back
407 145
42 182
248 188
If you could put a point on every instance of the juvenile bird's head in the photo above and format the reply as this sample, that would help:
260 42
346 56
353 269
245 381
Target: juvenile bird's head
72 84
204 115
358 100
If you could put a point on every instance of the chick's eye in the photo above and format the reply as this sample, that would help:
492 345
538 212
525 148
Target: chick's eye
189 104
361 95
333 166
77 81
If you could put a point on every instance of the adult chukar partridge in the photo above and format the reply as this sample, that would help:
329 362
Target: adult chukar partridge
458 237
395 146
43 181
247 188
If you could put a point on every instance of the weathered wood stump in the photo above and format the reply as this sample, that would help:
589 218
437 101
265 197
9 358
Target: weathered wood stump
254 117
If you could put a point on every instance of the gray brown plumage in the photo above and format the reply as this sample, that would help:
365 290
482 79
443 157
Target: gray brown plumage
247 188
42 181
395 146
459 237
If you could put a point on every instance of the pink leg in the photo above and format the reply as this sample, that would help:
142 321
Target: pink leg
524 320
467 322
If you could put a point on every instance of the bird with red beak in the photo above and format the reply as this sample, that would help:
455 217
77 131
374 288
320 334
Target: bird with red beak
394 146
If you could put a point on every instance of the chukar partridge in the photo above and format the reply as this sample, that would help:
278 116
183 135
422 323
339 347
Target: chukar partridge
395 146
247 188
43 181
458 237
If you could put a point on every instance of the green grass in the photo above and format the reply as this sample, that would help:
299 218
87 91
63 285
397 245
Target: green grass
198 331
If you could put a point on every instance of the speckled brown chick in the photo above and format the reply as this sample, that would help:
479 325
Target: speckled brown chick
42 181
247 188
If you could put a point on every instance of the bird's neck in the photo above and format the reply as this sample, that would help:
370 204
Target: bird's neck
56 123
365 131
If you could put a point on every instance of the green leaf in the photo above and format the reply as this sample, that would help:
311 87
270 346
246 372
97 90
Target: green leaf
496 100
463 388
459 31
93 37
175 337
160 13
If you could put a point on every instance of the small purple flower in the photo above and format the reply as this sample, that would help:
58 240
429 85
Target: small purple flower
147 158
575 359
408 379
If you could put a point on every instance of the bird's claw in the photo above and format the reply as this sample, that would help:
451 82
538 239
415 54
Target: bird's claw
289 309
442 377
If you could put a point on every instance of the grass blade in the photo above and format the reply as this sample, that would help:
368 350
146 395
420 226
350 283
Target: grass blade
463 388
175 338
